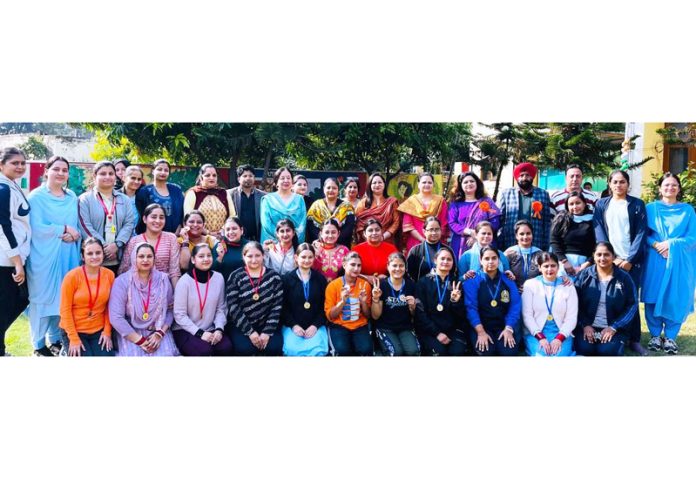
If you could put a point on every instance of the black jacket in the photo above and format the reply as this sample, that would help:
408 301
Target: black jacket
622 301
429 320
293 301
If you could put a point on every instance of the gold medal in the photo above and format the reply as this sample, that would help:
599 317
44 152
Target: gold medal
307 305
255 297
440 307
145 316
549 318
113 228
494 303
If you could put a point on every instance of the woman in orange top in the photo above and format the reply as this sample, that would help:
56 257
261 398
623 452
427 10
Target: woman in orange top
84 297
347 305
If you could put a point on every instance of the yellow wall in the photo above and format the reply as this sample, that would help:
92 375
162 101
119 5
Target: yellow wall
652 146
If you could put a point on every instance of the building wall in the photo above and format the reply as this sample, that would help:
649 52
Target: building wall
74 149
652 146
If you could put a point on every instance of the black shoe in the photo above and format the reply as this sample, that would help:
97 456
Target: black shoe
638 348
55 348
43 352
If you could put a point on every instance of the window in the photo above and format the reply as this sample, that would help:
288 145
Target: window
678 156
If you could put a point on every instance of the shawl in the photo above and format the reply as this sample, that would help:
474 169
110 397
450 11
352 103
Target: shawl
274 209
137 292
382 213
669 284
50 258
412 206
319 212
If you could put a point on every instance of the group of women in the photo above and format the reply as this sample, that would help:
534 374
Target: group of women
150 271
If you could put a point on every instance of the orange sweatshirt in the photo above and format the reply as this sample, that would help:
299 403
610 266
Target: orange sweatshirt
74 304
351 317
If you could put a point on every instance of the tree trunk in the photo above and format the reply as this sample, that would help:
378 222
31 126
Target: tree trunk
497 180
267 164
234 162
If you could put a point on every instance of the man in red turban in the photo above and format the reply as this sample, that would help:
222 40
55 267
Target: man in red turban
526 202
528 168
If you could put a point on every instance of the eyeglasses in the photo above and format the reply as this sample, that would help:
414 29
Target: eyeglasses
433 230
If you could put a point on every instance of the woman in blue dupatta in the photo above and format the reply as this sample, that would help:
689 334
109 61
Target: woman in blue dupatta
282 204
670 273
55 250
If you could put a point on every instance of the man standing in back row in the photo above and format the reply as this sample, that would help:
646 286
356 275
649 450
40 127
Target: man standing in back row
526 202
573 183
247 202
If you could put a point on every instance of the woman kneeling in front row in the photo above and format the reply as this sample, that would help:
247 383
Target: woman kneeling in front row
304 322
199 308
347 305
549 311
607 303
440 314
393 308
255 299
493 307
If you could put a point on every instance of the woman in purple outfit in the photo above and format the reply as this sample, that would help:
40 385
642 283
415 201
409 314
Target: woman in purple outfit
140 308
469 205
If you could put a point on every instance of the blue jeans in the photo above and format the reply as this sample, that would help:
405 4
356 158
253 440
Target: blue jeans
656 324
244 347
615 347
347 342
498 348
91 343
397 343
457 347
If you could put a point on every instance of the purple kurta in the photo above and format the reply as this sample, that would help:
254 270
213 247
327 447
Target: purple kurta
467 214
122 306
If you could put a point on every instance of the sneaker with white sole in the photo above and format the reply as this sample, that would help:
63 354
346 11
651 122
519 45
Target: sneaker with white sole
670 346
655 343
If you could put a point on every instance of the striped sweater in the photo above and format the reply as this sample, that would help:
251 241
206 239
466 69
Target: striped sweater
247 315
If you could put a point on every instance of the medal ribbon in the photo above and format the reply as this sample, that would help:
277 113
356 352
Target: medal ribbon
106 211
89 289
494 296
427 253
146 304
305 285
254 287
441 294
553 295
159 238
202 302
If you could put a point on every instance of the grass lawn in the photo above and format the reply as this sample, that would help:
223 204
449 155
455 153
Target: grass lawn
19 344
17 338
